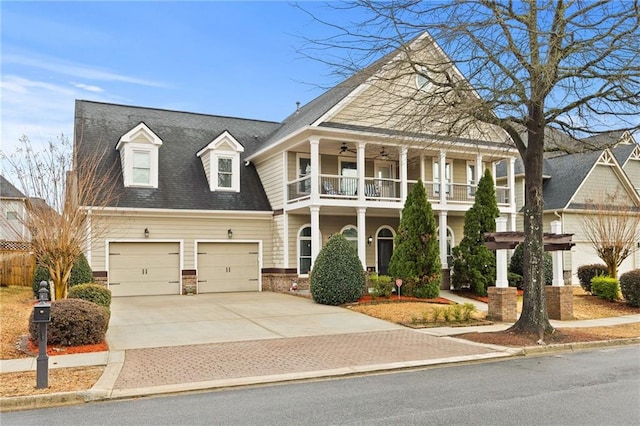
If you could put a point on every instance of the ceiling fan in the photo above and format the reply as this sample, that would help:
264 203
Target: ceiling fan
384 155
344 148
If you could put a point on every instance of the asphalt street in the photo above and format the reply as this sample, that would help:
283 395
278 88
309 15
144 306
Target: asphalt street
591 387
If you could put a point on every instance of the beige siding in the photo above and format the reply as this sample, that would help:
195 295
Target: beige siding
185 229
519 193
600 181
206 164
329 164
413 170
632 169
459 171
277 231
271 176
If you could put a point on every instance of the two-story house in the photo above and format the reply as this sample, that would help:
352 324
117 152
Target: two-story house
232 204
13 213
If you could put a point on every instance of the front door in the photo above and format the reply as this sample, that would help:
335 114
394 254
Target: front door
384 247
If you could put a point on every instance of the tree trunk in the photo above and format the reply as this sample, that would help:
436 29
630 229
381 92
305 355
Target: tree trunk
534 317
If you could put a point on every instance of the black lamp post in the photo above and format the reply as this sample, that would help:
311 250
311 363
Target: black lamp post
42 316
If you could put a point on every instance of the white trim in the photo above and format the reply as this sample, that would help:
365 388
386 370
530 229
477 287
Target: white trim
129 144
177 212
224 137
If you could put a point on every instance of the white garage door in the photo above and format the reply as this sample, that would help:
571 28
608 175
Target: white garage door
142 269
224 267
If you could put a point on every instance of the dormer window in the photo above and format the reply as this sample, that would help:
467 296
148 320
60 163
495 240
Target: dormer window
139 157
221 162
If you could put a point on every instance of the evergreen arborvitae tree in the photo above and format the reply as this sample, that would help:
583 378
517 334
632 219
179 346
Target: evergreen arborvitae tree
474 265
416 254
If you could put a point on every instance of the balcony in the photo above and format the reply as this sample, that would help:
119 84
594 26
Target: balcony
379 189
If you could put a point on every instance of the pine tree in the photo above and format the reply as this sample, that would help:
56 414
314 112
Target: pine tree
416 255
474 265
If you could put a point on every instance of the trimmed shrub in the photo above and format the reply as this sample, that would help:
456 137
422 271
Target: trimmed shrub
91 292
630 286
516 265
427 288
74 322
382 285
81 273
337 276
587 272
515 280
605 287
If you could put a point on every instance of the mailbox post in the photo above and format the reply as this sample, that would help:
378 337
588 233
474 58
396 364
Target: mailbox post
42 316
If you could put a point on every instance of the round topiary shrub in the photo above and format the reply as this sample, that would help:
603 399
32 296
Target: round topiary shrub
630 287
337 276
587 272
74 322
516 265
91 292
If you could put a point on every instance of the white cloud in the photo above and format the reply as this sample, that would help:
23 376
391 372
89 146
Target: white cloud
88 88
75 70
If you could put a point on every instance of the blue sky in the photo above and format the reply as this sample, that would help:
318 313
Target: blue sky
224 58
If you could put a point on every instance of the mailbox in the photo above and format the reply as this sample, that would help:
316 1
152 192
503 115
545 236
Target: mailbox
42 312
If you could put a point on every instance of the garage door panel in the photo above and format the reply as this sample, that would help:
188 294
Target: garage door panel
227 267
140 269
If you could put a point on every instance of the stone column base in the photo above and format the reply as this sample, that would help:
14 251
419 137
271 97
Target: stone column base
503 304
559 301
189 282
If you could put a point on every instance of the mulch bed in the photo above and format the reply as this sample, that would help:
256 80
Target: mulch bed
470 295
31 348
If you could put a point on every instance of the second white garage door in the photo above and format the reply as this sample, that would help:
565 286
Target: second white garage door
226 267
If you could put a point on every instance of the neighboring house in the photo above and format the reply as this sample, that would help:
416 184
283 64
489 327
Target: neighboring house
603 164
13 213
232 204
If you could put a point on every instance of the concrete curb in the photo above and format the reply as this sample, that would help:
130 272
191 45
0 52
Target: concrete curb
570 347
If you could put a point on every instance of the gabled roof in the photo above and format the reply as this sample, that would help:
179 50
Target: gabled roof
623 152
567 174
7 190
182 183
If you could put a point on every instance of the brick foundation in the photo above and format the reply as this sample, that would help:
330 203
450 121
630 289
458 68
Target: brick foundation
101 278
280 281
559 302
189 282
503 304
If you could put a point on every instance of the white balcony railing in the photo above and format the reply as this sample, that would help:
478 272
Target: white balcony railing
346 187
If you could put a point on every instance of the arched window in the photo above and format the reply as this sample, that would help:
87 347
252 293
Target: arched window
304 250
350 232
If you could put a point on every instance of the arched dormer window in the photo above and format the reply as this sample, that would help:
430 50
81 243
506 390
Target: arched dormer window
221 162
139 149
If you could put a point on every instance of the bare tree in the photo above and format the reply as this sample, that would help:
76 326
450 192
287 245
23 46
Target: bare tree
55 189
571 65
612 226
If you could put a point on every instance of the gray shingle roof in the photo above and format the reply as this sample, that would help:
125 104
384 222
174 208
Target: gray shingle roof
182 183
7 190
567 173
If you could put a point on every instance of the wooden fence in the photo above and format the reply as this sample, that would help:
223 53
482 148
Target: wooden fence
17 264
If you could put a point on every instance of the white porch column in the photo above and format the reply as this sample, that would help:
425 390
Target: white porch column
512 221
442 165
558 279
501 257
315 171
511 182
362 237
285 239
316 244
422 168
442 235
479 170
493 172
361 167
403 173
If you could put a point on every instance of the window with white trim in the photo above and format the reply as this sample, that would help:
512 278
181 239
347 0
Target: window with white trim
436 177
351 234
471 179
141 168
221 162
304 250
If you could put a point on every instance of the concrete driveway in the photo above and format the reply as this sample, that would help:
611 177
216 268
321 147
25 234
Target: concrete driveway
159 321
